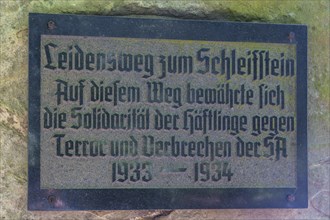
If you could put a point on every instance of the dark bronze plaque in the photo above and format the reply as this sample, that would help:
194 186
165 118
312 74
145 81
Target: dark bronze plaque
166 114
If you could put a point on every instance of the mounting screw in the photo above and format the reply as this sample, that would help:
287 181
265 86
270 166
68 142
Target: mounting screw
51 199
51 25
292 36
290 198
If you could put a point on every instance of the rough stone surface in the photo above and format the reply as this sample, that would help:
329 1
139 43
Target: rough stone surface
13 98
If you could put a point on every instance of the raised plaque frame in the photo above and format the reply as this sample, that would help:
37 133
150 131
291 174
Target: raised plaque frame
125 199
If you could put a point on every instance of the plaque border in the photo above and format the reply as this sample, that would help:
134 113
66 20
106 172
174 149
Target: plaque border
126 199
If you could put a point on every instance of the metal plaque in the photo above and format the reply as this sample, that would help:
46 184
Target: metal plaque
128 113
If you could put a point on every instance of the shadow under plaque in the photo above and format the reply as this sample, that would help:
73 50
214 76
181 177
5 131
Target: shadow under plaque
132 113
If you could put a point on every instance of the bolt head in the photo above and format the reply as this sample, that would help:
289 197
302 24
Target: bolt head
291 198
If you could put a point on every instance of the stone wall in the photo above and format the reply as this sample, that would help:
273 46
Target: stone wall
14 102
